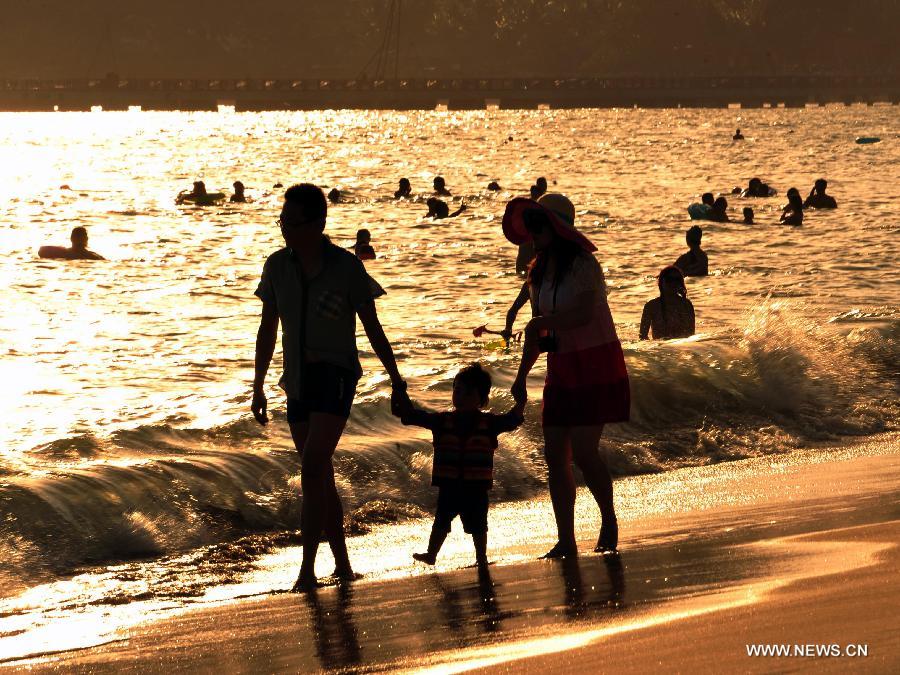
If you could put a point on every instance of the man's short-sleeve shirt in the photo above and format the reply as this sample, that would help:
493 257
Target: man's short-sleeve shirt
328 330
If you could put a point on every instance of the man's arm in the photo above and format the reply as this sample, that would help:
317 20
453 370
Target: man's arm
379 342
265 348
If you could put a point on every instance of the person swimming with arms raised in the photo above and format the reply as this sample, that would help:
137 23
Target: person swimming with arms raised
78 250
438 209
671 315
818 199
694 263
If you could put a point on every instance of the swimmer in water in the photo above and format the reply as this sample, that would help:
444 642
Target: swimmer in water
818 199
238 197
792 213
198 195
494 186
440 187
671 315
756 188
719 211
405 189
540 188
703 210
334 196
363 246
694 263
438 209
78 250
738 136
748 215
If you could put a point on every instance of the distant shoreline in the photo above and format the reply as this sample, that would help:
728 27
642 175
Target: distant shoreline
115 92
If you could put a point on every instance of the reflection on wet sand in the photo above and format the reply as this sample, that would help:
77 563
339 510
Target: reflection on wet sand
458 610
336 635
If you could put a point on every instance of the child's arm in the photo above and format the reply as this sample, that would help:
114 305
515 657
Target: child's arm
509 420
409 414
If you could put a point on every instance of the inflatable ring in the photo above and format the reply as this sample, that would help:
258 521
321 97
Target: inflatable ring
208 199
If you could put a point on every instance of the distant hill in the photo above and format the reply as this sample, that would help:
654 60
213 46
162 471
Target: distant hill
322 38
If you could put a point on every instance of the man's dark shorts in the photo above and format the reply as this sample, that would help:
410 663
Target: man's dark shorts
467 502
327 388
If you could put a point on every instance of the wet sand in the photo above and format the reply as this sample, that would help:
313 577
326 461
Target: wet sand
772 550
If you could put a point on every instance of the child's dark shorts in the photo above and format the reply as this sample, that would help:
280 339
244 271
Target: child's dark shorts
470 503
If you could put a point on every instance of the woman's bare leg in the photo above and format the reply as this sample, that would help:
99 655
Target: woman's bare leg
558 453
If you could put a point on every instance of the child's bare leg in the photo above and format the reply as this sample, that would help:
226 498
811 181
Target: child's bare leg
480 541
435 541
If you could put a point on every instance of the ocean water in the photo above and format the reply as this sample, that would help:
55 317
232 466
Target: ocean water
125 384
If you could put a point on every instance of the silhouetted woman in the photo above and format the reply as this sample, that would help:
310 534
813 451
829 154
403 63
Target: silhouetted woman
587 384
671 315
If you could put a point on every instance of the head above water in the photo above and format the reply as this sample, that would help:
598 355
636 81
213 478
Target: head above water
820 186
541 182
303 215
439 183
748 214
671 280
471 388
405 185
334 195
238 187
363 236
694 235
721 204
79 238
794 199
707 198
755 184
199 187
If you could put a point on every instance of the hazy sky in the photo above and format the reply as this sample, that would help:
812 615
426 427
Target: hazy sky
286 38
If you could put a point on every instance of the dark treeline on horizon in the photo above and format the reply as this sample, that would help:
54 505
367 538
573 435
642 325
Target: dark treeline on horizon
442 38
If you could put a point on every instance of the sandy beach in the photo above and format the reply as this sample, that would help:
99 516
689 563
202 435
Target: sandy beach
796 549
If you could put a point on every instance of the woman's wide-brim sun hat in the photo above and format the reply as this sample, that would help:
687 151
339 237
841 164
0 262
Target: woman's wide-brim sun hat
559 210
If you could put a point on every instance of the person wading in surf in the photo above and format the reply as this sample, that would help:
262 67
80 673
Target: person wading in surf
316 290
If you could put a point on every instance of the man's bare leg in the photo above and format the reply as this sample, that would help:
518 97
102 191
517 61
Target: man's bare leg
317 483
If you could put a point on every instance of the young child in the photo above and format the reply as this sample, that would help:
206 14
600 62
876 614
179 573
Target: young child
363 246
464 443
